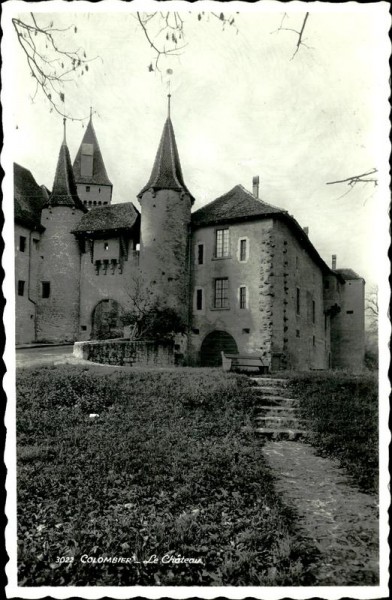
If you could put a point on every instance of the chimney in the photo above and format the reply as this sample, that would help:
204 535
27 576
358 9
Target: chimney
333 262
306 230
256 181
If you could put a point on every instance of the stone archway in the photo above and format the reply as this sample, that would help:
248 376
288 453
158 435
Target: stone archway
106 320
213 344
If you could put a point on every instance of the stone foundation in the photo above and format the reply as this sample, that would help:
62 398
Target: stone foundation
126 353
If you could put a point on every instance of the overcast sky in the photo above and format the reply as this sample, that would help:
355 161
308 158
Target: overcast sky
241 106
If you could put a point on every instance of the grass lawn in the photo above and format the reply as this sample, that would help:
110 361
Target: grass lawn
342 410
166 469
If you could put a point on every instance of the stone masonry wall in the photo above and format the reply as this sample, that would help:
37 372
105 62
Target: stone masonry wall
26 261
98 195
126 353
115 282
164 242
299 337
59 256
250 326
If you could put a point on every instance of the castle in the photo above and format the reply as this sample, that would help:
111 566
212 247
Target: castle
242 273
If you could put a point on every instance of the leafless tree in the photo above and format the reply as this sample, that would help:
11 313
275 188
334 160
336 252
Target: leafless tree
51 66
165 32
371 308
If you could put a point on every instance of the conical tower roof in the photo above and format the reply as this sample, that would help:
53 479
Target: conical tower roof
167 173
64 191
99 175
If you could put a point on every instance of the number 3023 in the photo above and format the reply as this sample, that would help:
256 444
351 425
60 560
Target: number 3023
64 559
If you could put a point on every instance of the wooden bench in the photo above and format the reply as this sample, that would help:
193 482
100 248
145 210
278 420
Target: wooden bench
232 362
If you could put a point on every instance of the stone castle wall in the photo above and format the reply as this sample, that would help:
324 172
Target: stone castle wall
59 265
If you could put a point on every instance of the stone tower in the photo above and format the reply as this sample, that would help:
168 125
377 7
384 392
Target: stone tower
58 294
165 221
93 185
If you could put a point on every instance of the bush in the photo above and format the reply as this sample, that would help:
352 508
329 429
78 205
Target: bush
155 323
342 410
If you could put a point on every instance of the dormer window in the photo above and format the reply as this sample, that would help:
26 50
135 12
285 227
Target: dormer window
86 167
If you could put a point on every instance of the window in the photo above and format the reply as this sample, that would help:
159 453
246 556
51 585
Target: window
200 254
21 285
35 244
87 188
199 299
242 296
296 262
313 311
314 340
349 312
243 250
106 245
22 243
45 289
297 333
221 297
326 284
222 243
298 301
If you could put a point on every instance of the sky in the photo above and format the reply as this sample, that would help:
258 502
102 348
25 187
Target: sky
241 105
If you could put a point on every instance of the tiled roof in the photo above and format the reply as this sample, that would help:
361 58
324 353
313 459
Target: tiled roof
347 274
29 198
238 204
108 218
64 192
99 176
166 173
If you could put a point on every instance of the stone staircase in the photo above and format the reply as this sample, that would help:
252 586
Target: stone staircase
277 414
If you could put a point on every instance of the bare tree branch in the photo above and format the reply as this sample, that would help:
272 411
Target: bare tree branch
300 33
50 64
357 179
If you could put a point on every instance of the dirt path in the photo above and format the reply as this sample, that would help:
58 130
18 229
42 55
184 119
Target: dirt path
336 517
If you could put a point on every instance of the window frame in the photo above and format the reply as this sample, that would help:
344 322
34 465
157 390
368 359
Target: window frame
22 243
222 248
221 300
243 297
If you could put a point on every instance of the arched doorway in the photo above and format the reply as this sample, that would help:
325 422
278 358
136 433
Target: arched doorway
213 344
106 320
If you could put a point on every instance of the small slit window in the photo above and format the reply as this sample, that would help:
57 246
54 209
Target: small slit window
22 243
243 297
200 254
45 288
21 287
199 299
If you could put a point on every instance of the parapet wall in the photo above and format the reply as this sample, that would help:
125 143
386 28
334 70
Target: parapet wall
126 353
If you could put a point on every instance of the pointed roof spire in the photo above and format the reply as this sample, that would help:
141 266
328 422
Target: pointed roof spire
99 175
167 173
65 130
64 192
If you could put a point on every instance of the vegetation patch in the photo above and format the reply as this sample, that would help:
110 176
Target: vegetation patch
342 411
166 471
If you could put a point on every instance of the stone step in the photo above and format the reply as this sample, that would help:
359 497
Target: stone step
269 380
288 408
280 418
272 391
279 399
290 434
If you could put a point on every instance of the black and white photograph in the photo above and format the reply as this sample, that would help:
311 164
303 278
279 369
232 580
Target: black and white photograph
196 201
